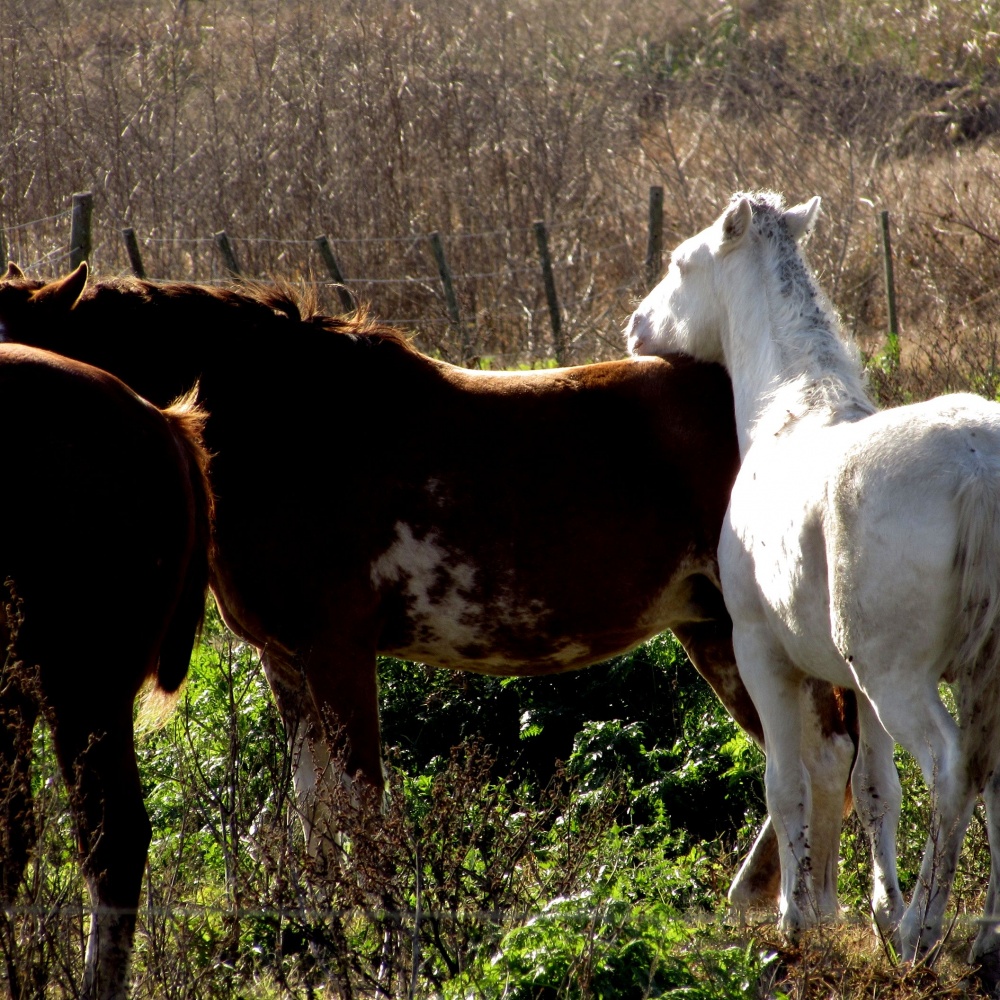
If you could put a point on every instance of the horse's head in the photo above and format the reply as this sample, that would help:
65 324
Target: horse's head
27 304
685 312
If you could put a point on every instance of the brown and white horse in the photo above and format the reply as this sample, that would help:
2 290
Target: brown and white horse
104 571
371 499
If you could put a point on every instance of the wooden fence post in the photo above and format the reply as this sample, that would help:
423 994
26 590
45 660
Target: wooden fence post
333 269
542 239
654 245
132 249
79 238
451 300
892 351
228 255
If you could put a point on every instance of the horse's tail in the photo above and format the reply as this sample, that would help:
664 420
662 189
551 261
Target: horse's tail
977 658
187 424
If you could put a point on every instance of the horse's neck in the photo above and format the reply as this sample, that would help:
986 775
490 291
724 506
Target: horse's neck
157 353
751 359
785 358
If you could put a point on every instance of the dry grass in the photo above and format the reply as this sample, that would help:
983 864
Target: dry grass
383 122
843 963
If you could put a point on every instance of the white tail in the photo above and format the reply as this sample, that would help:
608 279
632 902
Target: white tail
977 659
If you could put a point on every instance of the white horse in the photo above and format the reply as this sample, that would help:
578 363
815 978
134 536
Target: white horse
860 547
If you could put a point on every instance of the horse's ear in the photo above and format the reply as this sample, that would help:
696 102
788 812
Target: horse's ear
65 292
736 224
801 219
13 272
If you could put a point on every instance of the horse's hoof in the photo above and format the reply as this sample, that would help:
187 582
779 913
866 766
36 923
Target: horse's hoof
887 914
791 925
916 948
885 926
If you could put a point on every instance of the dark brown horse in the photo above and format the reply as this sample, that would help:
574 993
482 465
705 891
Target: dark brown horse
104 568
371 499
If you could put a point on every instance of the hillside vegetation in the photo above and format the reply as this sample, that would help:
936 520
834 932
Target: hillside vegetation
382 122
497 872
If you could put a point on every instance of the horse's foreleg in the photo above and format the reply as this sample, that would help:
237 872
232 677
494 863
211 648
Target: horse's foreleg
828 754
758 881
344 687
96 752
877 799
774 684
306 746
710 648
330 712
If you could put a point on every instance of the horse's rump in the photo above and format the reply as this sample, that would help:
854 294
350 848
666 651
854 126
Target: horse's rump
104 491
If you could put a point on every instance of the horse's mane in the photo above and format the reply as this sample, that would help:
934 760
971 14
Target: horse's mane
281 300
826 367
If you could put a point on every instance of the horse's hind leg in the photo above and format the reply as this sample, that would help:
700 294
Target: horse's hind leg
923 726
774 684
96 751
985 953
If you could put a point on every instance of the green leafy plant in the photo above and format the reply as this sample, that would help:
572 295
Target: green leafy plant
583 947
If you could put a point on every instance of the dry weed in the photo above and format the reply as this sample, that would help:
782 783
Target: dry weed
379 123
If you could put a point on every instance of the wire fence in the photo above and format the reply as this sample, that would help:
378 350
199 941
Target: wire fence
491 298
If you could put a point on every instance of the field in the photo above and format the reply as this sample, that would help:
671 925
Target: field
498 872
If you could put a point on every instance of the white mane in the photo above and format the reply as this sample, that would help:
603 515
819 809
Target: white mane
819 369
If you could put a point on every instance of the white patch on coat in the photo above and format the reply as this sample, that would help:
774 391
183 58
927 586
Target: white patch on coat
446 617
452 617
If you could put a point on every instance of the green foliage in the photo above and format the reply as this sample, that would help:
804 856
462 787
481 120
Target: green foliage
582 947
645 717
485 877
472 846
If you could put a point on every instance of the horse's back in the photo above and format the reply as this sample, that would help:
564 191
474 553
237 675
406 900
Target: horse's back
896 521
851 529
900 472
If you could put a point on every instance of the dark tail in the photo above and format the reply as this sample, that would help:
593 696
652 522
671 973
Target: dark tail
187 424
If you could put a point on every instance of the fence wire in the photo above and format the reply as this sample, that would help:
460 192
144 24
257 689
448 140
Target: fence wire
495 275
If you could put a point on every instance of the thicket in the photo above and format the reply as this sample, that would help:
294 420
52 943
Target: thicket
561 856
497 872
